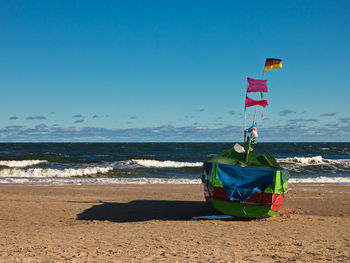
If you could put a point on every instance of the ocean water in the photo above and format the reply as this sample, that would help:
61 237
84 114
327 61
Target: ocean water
147 163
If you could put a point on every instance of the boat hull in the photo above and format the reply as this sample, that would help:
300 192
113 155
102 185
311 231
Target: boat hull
265 199
260 205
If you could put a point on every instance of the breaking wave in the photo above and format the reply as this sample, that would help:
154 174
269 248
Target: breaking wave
145 180
161 164
21 163
314 169
315 160
321 179
40 172
95 180
22 169
315 164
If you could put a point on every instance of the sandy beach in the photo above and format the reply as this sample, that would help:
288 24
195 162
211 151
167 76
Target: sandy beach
141 223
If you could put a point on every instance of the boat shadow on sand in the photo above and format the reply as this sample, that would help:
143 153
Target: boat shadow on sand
145 210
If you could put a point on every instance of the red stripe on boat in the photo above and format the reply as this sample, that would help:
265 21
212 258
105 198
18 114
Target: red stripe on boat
220 194
277 202
258 198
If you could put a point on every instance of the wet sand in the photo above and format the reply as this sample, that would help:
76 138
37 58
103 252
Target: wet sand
140 223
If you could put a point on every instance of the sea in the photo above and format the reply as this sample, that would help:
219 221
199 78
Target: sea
158 163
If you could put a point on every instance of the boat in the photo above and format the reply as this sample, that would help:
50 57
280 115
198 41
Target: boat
240 183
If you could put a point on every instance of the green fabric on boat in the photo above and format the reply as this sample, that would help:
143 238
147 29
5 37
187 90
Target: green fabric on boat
242 210
269 190
255 160
216 181
271 213
277 185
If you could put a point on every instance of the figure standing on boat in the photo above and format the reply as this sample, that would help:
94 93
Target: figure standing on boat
253 132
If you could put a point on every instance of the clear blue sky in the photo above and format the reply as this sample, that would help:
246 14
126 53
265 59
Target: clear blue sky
172 70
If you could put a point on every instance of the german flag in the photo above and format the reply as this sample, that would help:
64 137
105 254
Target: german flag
272 63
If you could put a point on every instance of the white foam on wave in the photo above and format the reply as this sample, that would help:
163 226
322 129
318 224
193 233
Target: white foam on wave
144 180
315 160
160 164
78 181
321 179
19 169
21 163
307 164
303 160
40 172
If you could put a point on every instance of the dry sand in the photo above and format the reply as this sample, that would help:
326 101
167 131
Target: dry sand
140 223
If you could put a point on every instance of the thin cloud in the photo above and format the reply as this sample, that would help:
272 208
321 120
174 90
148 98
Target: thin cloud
95 116
13 118
13 127
216 124
231 112
79 121
78 116
169 133
286 112
331 114
36 118
299 120
41 126
345 119
133 118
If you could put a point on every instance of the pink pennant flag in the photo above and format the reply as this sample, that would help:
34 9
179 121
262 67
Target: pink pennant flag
250 102
257 85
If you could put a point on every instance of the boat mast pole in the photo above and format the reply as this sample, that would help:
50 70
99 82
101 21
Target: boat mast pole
245 119
245 116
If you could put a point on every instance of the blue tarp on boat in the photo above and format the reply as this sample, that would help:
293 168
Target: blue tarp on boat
240 183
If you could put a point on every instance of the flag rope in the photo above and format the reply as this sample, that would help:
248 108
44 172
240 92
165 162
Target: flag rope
256 107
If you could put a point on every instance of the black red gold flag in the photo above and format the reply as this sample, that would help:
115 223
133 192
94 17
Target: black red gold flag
272 63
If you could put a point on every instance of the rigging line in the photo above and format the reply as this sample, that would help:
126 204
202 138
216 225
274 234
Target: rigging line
256 107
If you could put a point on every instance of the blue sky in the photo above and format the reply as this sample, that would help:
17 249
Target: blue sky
172 70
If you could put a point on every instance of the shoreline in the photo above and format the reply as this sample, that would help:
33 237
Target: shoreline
146 181
133 223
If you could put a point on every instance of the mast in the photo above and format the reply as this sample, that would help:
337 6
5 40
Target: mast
270 63
245 118
256 87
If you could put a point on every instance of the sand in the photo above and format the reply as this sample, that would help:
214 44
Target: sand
141 223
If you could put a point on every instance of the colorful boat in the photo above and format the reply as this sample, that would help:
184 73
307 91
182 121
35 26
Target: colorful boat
240 183
238 187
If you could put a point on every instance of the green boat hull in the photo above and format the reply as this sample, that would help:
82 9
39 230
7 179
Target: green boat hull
265 203
242 210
